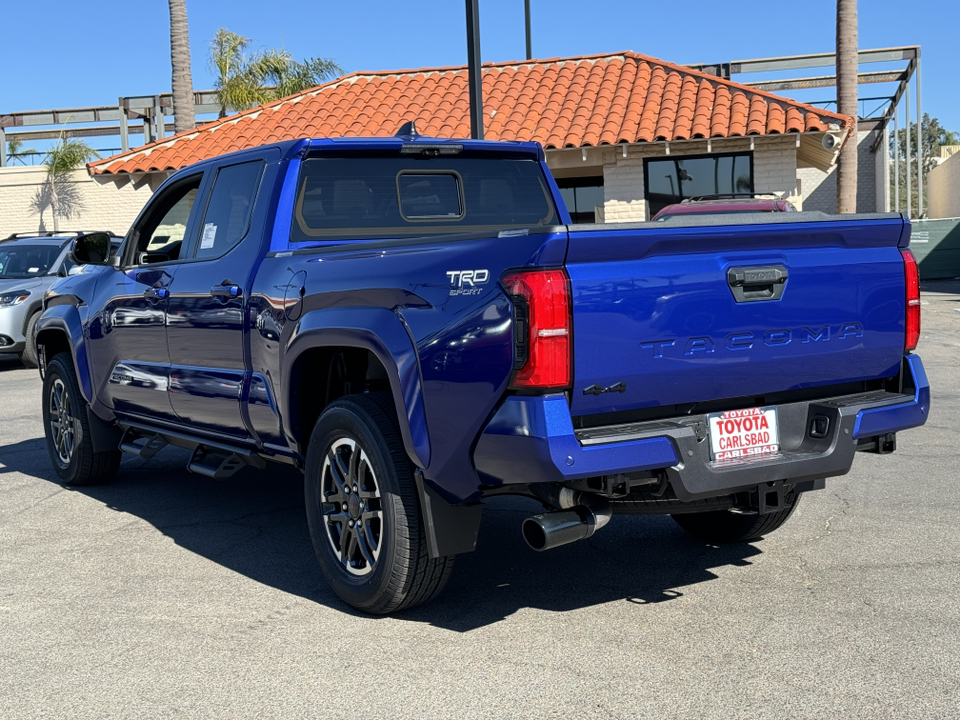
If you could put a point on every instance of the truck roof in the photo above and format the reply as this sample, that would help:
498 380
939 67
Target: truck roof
304 146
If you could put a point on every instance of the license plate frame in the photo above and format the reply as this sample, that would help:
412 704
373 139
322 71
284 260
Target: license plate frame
745 434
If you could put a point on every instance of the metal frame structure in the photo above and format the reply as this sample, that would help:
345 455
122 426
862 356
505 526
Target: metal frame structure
889 108
148 113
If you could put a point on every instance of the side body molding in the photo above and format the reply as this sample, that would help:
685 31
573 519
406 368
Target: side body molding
381 332
65 318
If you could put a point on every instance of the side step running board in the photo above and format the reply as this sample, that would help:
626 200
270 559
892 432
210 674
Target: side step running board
143 446
215 464
210 458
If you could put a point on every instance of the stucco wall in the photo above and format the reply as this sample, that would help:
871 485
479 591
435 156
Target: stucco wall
102 205
820 188
943 189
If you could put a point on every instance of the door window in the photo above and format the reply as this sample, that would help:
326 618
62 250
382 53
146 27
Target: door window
227 217
582 196
163 231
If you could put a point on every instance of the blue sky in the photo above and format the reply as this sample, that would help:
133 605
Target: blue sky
63 53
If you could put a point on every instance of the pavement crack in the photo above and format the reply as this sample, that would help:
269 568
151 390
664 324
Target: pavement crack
39 502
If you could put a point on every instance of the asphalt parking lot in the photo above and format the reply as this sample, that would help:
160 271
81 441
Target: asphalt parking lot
167 594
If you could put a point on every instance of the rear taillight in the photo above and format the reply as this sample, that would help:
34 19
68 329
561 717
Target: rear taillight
913 300
542 333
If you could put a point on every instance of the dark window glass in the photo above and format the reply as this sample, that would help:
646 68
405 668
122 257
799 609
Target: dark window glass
228 212
24 261
582 197
428 196
671 180
373 197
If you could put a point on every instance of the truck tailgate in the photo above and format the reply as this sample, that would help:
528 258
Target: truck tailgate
670 315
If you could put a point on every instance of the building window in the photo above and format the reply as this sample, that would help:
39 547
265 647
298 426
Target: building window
669 180
581 196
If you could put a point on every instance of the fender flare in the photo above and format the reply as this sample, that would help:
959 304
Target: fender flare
65 319
381 332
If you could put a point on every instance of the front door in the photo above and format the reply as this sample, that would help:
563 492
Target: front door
207 307
128 339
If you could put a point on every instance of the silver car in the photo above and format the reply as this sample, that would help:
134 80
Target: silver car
29 264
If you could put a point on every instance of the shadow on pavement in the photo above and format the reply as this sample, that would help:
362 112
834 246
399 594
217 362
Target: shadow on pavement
12 362
951 287
254 524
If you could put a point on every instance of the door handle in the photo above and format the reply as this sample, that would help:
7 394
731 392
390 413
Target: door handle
750 284
226 291
155 294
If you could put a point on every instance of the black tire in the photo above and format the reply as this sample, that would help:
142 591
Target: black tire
369 538
67 429
29 355
729 527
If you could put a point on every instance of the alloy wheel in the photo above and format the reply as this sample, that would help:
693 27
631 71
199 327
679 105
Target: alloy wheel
64 426
352 507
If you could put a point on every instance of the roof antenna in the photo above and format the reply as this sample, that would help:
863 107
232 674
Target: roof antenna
408 129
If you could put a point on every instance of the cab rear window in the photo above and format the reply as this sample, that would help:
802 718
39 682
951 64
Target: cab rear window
354 198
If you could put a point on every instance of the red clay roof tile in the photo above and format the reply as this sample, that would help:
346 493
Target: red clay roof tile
559 102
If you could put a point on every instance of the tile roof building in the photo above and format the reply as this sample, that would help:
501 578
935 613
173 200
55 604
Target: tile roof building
624 131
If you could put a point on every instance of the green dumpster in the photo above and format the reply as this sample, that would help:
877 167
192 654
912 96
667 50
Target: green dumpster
936 245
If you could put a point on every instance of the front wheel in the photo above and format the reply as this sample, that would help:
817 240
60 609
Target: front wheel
65 422
725 526
363 512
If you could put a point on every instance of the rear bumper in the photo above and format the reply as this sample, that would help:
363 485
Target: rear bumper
532 439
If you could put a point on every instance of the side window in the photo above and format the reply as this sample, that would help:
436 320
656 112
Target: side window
162 233
227 216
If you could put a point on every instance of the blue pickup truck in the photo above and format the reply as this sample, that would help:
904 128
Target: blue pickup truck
417 325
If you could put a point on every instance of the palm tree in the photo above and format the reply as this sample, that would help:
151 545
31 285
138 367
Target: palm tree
243 81
287 76
228 60
847 63
180 60
57 192
16 150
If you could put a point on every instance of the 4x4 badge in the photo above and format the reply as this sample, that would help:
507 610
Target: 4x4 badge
598 390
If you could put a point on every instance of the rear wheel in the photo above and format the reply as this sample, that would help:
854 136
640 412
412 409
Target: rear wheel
29 355
363 511
725 526
69 442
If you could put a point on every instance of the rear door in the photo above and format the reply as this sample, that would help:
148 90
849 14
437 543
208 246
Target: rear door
675 315
207 306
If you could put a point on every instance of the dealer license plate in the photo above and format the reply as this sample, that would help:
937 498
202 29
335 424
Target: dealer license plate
742 434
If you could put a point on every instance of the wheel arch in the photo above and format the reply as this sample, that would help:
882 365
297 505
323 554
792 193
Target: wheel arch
59 329
34 307
373 338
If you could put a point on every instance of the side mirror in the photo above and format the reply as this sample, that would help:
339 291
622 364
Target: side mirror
91 249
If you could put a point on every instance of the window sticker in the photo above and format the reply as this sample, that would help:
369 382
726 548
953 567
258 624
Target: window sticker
209 235
33 270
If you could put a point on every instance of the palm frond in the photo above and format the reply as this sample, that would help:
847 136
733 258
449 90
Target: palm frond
243 82
68 155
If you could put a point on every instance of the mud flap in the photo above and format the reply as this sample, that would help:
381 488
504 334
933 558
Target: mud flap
450 529
103 436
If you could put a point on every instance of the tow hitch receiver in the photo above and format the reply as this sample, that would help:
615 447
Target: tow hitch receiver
767 498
